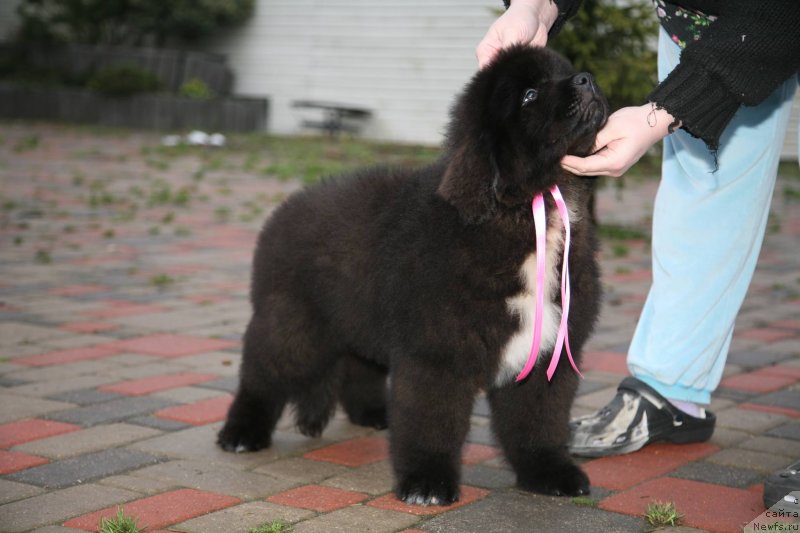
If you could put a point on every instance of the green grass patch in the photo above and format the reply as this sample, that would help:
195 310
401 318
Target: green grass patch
584 501
621 233
119 524
662 514
789 169
276 526
161 281
43 257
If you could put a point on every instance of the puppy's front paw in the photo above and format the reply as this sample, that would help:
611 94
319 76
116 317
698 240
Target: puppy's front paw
233 438
561 479
427 490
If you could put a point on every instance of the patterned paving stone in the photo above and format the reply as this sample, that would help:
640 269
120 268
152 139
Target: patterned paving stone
729 476
318 498
169 345
748 420
127 309
57 372
472 454
142 485
60 357
84 397
56 506
75 290
218 363
517 511
704 505
89 327
791 413
766 334
790 430
84 468
87 440
588 386
244 517
488 477
763 462
299 470
355 452
391 503
200 443
357 518
111 411
75 341
157 423
481 435
765 444
55 387
16 333
198 413
787 398
7 382
15 461
149 385
22 431
623 471
612 362
756 358
189 395
53 315
12 491
758 381
373 479
215 478
734 395
162 509
13 407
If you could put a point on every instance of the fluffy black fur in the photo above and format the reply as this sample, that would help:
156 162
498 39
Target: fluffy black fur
407 273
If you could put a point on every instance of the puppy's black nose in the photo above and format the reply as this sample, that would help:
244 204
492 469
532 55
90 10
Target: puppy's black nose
582 78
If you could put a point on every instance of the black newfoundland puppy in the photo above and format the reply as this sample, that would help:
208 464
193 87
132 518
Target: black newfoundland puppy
427 277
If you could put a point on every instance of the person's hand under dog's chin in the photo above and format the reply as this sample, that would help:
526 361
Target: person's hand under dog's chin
625 138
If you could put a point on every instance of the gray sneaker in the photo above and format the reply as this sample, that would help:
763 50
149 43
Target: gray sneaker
637 415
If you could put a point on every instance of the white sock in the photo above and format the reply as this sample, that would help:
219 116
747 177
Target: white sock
690 408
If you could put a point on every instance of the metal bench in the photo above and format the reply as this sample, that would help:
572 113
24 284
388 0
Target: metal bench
336 117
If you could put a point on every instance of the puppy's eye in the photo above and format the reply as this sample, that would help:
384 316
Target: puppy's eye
530 96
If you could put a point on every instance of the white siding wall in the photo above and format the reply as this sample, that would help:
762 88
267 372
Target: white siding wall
404 59
791 146
8 19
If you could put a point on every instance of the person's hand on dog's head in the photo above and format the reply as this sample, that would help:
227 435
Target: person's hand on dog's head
525 22
625 138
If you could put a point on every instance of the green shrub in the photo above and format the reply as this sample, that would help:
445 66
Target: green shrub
123 80
196 89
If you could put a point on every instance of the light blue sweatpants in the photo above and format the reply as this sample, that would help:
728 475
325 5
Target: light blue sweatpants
707 232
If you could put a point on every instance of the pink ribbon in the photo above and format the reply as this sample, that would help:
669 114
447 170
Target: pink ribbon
562 340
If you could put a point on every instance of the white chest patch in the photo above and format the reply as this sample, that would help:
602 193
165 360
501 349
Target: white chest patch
515 352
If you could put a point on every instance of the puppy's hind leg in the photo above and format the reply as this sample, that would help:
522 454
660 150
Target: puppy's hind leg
363 393
315 400
531 421
259 401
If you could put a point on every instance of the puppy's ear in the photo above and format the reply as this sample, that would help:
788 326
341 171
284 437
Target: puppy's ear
470 160
469 177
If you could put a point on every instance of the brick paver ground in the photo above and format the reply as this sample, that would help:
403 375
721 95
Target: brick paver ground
124 273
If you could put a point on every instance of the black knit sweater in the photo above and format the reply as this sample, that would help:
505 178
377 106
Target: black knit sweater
751 48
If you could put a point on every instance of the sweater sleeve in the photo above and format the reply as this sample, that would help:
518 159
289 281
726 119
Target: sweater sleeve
566 9
740 59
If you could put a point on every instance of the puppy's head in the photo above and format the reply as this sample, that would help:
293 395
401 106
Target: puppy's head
512 125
